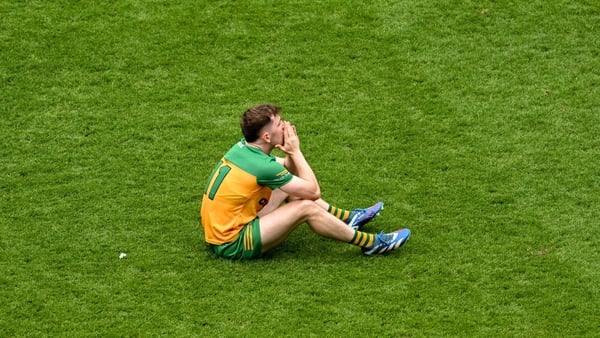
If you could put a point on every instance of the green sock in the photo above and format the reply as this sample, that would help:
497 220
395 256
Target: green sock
339 213
362 239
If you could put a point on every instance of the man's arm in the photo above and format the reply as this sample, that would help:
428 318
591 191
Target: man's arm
304 184
288 164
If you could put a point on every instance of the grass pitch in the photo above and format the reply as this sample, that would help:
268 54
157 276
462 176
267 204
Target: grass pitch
476 122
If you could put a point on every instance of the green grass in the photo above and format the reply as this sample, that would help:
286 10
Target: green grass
476 122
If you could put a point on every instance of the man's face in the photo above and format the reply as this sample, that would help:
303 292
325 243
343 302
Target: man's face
276 130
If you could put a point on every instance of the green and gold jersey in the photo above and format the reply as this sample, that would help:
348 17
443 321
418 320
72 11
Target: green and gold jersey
238 188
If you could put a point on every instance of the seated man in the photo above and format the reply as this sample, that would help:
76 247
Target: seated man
253 200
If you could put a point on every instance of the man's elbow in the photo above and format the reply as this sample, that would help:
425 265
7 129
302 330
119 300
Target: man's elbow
314 196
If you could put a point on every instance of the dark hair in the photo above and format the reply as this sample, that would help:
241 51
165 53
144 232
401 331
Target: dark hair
255 118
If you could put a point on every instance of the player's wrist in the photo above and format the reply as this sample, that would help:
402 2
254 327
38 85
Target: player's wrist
295 155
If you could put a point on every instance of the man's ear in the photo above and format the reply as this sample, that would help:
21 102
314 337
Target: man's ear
266 137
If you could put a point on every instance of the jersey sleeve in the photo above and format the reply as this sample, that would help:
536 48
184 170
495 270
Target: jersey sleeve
274 175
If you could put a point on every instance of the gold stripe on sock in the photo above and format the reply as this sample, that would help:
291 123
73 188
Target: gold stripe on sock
353 240
338 212
364 239
333 210
345 215
357 238
370 241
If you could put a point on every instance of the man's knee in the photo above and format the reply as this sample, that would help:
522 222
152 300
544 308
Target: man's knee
307 207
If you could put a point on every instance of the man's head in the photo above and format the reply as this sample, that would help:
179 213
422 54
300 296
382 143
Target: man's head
262 122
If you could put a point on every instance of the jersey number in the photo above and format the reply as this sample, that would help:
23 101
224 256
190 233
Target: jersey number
222 172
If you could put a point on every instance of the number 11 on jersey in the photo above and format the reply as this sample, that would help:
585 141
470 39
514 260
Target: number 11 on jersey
221 171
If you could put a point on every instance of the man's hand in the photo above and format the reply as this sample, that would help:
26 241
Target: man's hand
304 184
291 142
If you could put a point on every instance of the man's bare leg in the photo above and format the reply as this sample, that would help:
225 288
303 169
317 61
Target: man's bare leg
278 224
278 197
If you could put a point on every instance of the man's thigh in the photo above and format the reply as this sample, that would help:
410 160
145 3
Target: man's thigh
277 225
